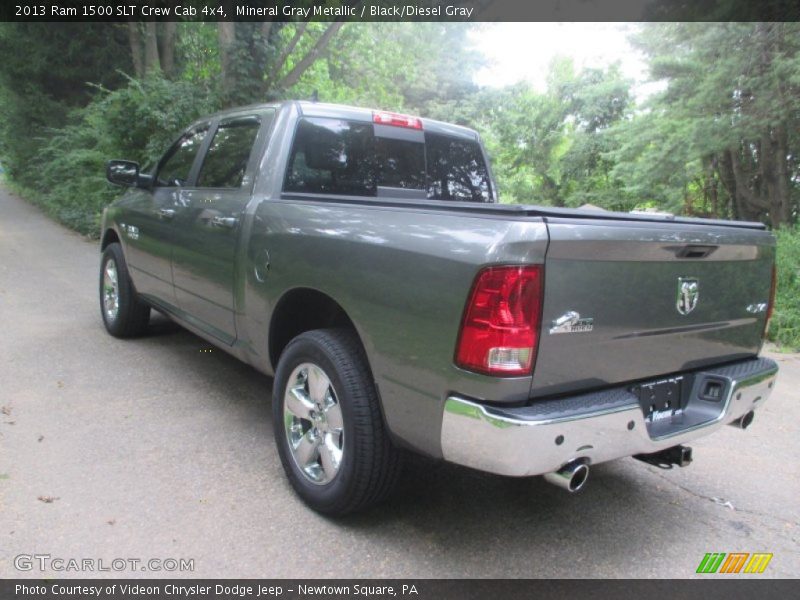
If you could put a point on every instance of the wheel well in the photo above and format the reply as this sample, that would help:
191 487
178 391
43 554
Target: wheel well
302 310
109 237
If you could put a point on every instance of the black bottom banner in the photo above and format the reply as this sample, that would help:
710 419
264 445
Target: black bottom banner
421 589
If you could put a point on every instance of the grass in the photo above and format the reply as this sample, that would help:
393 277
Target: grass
85 221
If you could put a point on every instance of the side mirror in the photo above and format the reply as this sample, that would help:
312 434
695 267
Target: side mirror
123 172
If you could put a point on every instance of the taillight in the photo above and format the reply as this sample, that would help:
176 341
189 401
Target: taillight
500 331
772 288
396 120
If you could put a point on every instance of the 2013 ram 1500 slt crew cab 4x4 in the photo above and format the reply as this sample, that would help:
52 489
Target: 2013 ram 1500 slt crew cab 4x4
362 259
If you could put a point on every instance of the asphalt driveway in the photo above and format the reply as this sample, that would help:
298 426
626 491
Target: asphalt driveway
162 448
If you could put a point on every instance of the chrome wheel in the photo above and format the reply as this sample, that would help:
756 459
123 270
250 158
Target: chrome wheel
312 419
111 291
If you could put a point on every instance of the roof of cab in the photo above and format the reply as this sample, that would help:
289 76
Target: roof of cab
342 111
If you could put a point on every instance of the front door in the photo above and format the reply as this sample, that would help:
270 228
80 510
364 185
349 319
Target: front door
149 225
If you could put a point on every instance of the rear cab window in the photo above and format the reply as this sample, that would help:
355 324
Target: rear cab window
354 158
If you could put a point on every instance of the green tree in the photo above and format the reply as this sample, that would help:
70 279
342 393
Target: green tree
552 147
593 101
43 77
723 134
75 95
425 68
262 61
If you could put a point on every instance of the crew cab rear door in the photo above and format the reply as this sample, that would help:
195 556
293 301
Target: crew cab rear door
208 222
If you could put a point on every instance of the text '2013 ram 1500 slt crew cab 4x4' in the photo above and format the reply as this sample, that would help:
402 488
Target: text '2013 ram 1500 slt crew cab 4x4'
361 258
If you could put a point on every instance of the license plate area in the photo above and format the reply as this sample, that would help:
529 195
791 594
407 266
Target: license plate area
664 398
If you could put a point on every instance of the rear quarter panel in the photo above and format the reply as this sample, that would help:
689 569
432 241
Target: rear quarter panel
403 277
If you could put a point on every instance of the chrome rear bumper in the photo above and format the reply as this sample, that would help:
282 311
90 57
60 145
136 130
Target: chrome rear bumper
593 427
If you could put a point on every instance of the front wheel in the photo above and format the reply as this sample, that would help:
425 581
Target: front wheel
124 314
330 434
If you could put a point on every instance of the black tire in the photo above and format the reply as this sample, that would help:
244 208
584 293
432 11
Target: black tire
370 463
132 314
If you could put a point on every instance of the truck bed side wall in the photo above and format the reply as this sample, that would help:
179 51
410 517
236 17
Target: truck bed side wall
402 277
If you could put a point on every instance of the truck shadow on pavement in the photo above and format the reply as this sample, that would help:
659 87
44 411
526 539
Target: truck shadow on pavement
447 506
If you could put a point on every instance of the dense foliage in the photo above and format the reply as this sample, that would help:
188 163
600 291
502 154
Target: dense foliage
721 138
135 86
552 147
136 121
43 77
785 325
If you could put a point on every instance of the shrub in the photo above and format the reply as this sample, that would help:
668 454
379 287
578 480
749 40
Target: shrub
785 326
136 122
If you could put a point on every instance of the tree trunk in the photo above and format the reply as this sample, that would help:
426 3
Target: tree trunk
277 65
723 163
774 150
151 59
711 185
135 41
302 66
226 32
781 211
750 192
266 29
168 37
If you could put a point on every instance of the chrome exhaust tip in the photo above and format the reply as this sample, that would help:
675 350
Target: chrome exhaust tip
571 477
744 421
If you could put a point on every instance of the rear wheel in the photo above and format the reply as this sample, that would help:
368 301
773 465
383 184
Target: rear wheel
328 425
124 313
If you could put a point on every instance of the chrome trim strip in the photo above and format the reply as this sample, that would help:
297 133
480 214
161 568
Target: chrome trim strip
576 417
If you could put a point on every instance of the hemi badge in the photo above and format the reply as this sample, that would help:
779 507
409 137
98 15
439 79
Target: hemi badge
571 322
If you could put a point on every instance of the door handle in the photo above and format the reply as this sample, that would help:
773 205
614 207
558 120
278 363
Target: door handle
229 222
166 213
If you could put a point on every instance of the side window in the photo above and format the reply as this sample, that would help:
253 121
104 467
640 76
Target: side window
175 169
456 170
227 157
331 156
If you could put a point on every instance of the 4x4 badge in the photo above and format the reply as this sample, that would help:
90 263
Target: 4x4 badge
688 294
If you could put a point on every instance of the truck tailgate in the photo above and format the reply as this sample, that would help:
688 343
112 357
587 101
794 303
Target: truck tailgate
632 300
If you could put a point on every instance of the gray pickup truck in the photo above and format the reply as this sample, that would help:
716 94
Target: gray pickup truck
362 259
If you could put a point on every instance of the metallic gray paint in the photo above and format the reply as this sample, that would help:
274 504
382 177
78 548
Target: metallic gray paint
401 269
624 277
402 277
